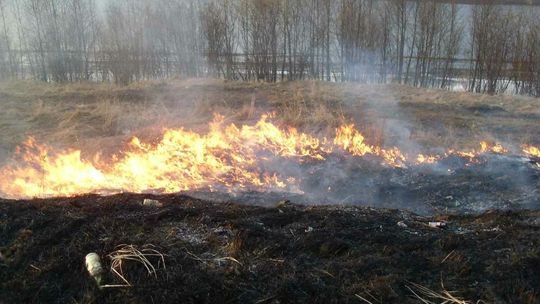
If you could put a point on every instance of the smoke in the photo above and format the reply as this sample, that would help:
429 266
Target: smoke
452 184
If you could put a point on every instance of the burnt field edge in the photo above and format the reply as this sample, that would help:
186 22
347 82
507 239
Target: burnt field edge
240 253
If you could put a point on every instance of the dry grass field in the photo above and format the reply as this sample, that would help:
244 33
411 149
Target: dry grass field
102 116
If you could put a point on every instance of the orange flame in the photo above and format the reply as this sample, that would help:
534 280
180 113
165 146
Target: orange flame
531 150
351 140
427 159
486 147
227 158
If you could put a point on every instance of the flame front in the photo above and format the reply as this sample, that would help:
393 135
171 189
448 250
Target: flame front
227 158
531 150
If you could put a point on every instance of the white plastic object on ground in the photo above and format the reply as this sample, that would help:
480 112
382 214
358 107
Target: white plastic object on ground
93 265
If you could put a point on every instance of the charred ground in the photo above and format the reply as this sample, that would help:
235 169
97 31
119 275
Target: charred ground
287 253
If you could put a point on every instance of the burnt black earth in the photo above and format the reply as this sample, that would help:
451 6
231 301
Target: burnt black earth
273 252
360 232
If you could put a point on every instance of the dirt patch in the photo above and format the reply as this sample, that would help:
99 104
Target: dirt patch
237 254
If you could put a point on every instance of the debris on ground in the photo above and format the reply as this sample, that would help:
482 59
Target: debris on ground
152 203
437 224
93 265
402 224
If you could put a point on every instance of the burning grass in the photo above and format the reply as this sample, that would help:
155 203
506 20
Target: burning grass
229 158
272 137
237 151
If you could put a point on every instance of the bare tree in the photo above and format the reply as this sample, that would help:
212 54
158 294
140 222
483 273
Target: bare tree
492 32
399 17
7 65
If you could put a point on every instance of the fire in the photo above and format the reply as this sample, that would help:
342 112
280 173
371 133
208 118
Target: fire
351 140
427 159
63 174
492 148
226 158
182 160
485 147
290 143
531 150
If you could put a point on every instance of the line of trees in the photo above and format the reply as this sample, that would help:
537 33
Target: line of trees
123 41
485 48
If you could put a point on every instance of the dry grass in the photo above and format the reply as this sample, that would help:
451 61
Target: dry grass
309 104
214 261
101 116
428 296
126 253
363 299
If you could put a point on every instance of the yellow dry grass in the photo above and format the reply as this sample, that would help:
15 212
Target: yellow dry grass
428 296
131 253
100 117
